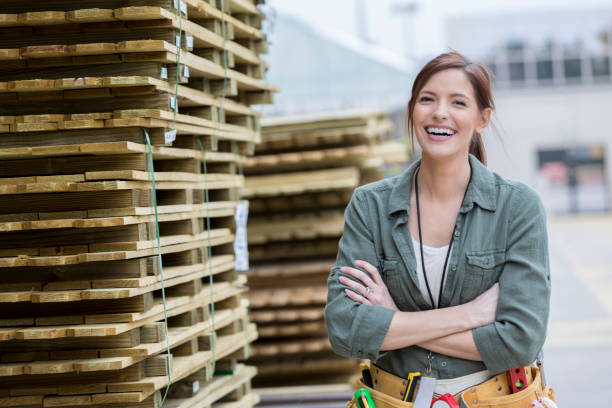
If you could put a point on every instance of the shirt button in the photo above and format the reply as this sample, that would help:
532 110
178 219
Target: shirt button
453 268
457 233
444 364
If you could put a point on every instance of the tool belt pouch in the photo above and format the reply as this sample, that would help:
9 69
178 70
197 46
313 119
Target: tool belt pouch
495 393
381 400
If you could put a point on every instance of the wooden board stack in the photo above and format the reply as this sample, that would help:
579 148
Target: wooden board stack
299 182
115 114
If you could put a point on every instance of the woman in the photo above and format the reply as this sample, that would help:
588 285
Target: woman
480 305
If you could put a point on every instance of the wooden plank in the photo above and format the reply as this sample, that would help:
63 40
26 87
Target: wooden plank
305 226
301 182
307 295
175 307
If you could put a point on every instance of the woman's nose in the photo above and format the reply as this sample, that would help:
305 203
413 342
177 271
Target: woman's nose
440 112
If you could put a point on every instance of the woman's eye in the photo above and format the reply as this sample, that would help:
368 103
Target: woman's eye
425 99
460 103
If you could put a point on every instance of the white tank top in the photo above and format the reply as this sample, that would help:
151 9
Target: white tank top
434 262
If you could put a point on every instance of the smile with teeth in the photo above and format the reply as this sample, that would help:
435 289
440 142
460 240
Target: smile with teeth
445 132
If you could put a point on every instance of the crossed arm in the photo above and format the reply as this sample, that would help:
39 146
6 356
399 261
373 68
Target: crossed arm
446 331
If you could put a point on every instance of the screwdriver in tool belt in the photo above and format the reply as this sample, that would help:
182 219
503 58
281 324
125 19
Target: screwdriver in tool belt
364 399
366 375
413 379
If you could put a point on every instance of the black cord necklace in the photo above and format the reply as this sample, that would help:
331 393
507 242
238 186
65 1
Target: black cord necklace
450 245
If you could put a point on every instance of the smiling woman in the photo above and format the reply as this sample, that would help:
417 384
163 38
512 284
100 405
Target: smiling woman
443 270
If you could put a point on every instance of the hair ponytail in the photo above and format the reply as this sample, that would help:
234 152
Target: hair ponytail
477 148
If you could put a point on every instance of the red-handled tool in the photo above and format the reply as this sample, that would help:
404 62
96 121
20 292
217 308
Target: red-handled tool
517 380
445 401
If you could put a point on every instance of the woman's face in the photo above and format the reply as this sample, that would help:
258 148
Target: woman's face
446 115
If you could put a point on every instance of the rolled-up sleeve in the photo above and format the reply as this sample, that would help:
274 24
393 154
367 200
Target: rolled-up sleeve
355 330
519 331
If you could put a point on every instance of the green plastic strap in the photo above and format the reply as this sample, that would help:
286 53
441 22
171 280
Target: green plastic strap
161 269
210 269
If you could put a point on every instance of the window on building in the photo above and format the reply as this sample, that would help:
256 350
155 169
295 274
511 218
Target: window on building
544 70
517 72
572 180
572 68
601 66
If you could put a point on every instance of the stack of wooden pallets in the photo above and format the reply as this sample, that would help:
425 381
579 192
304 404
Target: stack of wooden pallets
123 125
299 182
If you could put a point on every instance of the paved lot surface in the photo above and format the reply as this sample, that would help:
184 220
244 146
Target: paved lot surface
579 345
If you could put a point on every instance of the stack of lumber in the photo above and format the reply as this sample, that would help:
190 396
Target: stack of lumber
299 182
123 125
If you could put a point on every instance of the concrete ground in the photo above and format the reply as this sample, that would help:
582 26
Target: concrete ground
578 350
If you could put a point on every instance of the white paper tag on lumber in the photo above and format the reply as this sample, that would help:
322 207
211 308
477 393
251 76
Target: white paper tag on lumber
241 249
189 41
196 387
183 7
173 103
164 73
186 71
170 136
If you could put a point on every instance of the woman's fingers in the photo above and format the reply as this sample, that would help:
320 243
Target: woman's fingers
357 274
372 270
356 297
352 284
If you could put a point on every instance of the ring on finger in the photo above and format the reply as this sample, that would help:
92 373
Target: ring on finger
367 292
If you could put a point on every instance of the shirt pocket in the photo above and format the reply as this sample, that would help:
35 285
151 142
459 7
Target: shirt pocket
390 272
482 270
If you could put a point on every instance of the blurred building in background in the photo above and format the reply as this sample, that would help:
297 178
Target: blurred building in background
321 70
553 90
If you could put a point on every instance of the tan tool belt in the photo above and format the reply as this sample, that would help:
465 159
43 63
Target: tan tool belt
493 393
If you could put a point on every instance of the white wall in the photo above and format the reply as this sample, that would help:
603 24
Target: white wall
535 118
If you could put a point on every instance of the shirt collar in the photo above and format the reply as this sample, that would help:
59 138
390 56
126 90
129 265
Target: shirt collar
481 190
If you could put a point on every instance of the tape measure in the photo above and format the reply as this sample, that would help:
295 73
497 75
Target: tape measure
445 401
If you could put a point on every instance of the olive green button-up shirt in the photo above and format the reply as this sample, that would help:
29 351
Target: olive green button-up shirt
500 236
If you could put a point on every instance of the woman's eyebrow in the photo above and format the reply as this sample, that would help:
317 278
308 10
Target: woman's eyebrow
456 94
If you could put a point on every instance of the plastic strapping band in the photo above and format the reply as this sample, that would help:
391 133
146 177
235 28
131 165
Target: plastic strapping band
225 66
210 268
161 269
178 64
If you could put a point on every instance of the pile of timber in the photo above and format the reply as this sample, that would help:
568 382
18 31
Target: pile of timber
123 125
299 182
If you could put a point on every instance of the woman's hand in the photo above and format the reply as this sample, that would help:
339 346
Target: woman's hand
369 290
482 309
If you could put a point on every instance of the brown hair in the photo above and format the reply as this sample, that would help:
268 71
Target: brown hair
478 75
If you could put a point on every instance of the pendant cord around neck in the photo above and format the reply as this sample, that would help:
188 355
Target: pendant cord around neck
450 245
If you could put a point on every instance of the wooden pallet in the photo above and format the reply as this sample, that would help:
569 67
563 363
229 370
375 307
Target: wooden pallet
301 329
303 227
283 251
360 155
80 85
285 270
306 295
182 330
291 347
140 381
294 204
301 182
288 314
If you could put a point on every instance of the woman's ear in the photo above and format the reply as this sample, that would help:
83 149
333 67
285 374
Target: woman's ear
485 118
